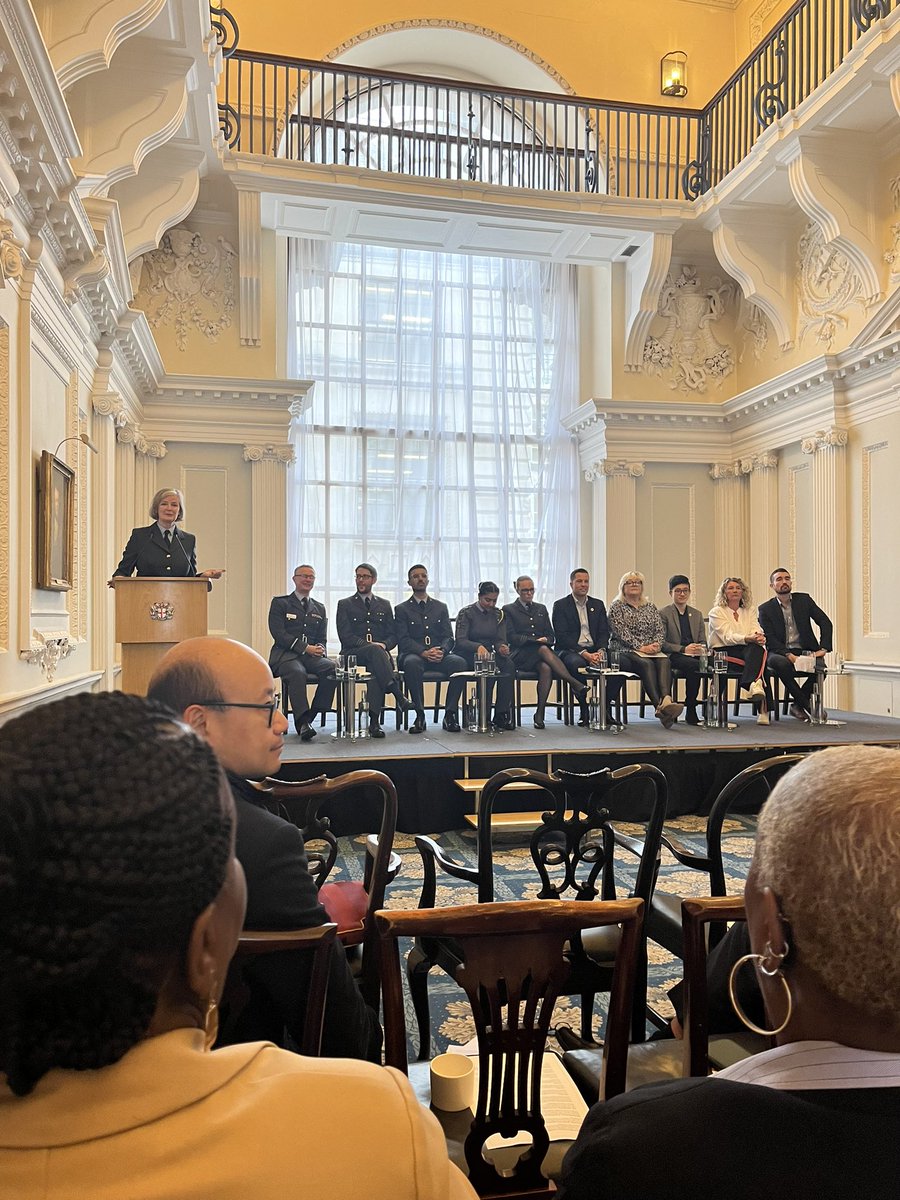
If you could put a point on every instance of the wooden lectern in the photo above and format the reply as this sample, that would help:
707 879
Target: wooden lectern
154 613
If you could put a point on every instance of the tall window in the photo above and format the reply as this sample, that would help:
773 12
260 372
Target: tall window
433 432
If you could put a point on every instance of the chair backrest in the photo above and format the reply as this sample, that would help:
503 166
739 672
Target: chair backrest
317 941
513 968
302 801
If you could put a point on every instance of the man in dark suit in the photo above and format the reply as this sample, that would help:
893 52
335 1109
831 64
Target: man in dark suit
425 642
786 622
685 641
366 627
226 693
299 628
582 632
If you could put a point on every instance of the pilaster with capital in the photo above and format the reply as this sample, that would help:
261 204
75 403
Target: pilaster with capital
828 451
761 471
268 502
731 520
615 520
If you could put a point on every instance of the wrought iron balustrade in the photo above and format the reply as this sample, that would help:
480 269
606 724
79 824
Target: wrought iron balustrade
327 113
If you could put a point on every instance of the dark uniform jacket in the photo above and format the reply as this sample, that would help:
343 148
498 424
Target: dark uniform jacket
146 552
357 625
525 625
293 628
476 626
805 609
567 626
415 625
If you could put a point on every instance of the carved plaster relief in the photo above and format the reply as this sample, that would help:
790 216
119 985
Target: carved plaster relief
758 20
47 651
755 331
686 348
189 283
828 286
11 264
270 453
892 254
129 434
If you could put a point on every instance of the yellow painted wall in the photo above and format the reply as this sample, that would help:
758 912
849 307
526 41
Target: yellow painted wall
602 49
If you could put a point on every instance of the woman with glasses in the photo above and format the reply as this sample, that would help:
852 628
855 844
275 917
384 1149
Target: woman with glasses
531 640
121 913
638 633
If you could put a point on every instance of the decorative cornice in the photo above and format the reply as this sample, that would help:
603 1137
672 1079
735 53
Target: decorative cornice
767 461
130 434
725 470
270 453
47 651
825 439
608 468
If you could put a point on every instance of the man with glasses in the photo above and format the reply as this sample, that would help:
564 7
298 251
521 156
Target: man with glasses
685 641
786 620
365 625
225 692
299 628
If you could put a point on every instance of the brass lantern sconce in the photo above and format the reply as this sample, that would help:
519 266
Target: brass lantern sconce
673 74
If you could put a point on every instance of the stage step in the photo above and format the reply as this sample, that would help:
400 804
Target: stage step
509 822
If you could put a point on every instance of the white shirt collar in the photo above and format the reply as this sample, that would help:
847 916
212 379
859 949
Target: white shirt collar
816 1066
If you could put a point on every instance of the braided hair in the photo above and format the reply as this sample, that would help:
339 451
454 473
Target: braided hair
113 839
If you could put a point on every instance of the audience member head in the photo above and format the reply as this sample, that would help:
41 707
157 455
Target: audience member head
824 885
167 494
226 693
728 587
122 900
631 588
487 594
366 576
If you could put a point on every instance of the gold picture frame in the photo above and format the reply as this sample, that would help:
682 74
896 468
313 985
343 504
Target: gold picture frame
56 524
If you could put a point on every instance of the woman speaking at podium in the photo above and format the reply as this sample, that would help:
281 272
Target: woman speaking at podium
162 548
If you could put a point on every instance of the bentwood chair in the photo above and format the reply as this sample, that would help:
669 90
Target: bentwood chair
513 967
664 910
700 1051
240 984
573 851
350 903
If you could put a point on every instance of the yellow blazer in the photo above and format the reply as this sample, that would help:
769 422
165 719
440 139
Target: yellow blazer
248 1122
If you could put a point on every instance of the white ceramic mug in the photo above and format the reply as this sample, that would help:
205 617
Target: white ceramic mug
452 1082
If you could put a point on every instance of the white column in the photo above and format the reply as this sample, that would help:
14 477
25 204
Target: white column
249 265
105 530
762 472
617 483
730 520
269 565
828 450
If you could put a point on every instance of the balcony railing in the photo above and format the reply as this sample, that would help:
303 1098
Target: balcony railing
328 113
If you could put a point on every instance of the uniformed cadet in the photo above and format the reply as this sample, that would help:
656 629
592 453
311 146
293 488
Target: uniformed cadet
425 642
480 629
299 628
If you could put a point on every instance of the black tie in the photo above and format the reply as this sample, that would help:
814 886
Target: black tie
422 605
168 536
368 605
304 604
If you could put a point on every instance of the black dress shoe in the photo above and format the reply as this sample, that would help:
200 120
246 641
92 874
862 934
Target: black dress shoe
691 718
418 725
451 723
402 703
539 722
503 721
375 730
307 733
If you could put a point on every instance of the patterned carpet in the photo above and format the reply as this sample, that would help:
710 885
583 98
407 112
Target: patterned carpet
515 879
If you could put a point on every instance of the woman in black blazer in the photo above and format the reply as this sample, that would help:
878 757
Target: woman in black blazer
816 1117
162 548
531 638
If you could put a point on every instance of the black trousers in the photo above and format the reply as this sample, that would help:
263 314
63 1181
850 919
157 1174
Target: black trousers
574 663
414 667
504 683
801 694
380 666
690 669
296 673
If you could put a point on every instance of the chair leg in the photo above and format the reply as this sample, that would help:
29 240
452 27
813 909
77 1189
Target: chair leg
418 966
587 1016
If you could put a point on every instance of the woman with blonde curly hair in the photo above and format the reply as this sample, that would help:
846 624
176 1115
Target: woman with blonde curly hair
734 627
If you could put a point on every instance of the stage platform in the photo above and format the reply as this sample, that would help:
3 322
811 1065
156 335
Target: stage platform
696 761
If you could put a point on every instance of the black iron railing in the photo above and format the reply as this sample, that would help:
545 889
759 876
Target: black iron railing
318 112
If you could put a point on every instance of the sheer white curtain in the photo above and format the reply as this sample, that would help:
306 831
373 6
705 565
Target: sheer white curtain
433 432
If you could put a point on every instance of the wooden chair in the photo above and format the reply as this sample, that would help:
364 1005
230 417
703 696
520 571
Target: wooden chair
513 968
664 909
573 854
350 903
699 1052
237 992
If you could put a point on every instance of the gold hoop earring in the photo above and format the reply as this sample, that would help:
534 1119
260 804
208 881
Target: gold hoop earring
759 959
211 1020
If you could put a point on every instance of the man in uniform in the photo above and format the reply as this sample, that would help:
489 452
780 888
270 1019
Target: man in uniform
299 628
366 627
425 641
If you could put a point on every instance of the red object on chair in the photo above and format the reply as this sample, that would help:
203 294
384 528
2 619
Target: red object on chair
346 903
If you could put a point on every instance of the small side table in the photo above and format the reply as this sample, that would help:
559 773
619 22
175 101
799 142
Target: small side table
349 726
596 679
717 700
481 680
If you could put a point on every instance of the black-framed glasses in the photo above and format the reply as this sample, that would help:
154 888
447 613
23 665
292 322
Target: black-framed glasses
272 706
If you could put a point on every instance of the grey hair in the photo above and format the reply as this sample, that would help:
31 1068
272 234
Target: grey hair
828 846
157 500
632 575
747 598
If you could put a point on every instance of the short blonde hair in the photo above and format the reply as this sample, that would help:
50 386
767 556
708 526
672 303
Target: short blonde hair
828 846
158 498
632 575
746 599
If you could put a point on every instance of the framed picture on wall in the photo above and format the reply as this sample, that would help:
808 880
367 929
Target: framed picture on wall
56 524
